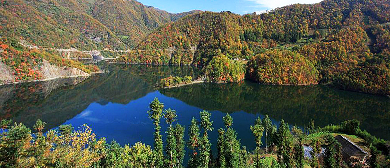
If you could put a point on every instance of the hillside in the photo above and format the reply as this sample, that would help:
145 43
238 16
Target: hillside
81 24
20 64
341 42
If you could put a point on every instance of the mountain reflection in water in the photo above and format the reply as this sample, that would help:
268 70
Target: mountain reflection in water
114 104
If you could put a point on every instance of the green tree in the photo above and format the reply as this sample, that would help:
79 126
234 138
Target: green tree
178 132
333 157
221 148
39 126
205 145
284 143
299 153
5 124
258 131
229 148
267 124
228 121
170 148
12 145
315 153
193 143
155 113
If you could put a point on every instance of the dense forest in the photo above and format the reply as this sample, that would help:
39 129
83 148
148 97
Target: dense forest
344 43
282 147
85 25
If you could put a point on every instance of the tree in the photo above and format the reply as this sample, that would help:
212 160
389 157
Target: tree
315 153
39 126
12 146
155 113
205 146
178 132
267 124
170 116
311 128
228 121
284 141
221 148
170 148
229 148
258 131
193 143
299 153
333 157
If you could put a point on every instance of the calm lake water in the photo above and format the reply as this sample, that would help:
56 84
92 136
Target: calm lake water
115 104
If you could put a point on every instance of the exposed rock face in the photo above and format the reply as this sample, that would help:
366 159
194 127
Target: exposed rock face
6 74
52 71
48 71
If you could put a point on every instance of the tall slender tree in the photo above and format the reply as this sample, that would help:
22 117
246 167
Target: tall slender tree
231 146
155 113
284 143
299 153
333 157
315 153
178 132
221 148
193 143
170 148
258 131
205 146
267 124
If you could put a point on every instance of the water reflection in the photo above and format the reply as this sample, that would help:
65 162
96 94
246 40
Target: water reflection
114 104
295 104
57 101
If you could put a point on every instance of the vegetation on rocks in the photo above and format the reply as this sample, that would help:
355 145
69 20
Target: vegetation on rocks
26 63
175 81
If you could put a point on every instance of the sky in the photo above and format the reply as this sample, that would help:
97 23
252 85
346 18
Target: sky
235 6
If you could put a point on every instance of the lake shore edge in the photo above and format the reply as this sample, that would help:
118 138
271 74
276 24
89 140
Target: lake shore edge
49 79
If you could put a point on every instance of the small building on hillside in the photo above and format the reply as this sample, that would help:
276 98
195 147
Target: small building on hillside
350 149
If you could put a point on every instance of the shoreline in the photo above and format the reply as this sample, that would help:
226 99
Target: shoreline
49 79
184 84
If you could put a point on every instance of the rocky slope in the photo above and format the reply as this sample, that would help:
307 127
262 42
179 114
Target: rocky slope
20 64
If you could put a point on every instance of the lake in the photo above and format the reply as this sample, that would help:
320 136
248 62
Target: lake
115 104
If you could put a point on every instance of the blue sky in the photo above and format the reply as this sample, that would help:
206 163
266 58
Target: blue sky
235 6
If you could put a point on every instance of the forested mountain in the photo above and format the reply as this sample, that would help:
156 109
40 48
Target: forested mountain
82 24
339 42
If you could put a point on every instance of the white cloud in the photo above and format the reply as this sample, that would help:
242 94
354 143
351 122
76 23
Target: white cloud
272 4
84 114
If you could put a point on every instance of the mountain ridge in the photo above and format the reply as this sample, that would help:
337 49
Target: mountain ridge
81 24
344 39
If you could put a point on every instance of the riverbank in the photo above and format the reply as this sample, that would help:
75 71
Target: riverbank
184 84
44 80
